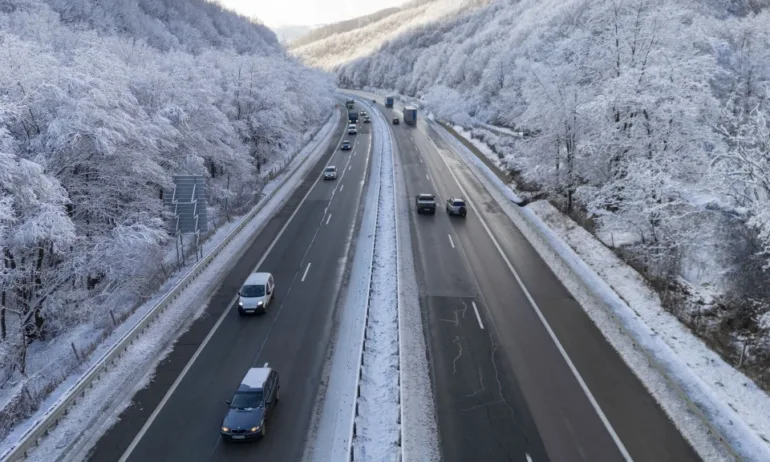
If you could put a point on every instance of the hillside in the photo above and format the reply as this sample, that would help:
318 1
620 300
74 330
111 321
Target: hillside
102 102
336 44
342 27
287 34
650 122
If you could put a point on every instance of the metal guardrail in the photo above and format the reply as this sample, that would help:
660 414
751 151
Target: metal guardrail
61 407
359 372
360 369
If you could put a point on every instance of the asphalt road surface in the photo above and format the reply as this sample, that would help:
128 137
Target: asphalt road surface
304 247
503 389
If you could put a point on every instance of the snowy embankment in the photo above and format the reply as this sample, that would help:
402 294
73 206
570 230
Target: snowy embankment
719 410
101 405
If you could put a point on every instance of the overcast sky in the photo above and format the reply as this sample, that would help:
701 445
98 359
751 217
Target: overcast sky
276 13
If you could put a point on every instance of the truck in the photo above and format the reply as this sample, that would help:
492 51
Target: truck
410 115
353 117
389 101
350 103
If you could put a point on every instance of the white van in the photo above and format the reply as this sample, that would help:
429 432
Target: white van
256 293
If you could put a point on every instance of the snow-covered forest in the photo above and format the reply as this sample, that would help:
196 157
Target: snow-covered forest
648 121
333 45
101 103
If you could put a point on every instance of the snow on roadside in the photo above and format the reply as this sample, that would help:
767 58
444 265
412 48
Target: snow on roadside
687 398
115 385
727 384
377 424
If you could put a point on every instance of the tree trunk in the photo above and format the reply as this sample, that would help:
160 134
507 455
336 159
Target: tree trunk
3 330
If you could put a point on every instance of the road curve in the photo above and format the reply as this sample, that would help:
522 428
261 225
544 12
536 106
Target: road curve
305 247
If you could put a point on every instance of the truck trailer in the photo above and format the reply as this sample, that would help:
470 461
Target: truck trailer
389 101
410 115
350 103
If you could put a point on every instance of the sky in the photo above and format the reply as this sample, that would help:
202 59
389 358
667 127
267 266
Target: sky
275 13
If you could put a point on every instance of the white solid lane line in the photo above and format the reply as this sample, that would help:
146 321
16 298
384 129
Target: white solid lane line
307 268
329 218
621 447
451 242
478 316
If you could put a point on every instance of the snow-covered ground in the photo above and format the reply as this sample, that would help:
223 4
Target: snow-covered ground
706 398
377 425
112 393
419 431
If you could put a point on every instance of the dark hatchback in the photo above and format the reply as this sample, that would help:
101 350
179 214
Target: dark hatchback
251 406
345 146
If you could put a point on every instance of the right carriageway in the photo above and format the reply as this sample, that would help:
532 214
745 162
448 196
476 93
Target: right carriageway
519 371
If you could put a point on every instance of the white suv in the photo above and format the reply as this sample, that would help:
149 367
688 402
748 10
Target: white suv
352 130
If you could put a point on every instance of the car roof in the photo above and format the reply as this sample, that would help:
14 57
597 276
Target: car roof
426 196
255 379
346 141
258 278
331 166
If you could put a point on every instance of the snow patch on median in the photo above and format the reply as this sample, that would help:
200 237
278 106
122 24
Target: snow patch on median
378 422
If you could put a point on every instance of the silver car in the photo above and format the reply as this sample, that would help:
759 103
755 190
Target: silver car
330 173
456 206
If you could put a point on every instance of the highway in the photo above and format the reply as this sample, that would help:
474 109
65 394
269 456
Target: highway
305 247
503 388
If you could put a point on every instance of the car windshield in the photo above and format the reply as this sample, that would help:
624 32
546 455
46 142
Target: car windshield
253 291
250 400
426 198
330 169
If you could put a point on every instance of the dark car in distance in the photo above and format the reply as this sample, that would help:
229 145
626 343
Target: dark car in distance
426 203
251 405
395 120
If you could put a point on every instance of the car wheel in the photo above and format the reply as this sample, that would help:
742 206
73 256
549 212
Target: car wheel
278 394
263 431
240 311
